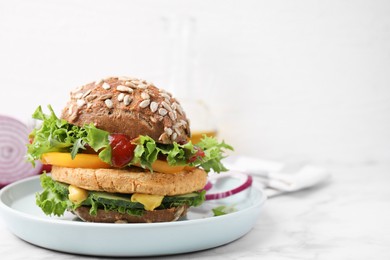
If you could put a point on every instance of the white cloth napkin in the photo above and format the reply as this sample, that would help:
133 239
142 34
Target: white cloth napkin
277 178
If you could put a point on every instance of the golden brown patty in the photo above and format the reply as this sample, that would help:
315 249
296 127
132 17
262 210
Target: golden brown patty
132 180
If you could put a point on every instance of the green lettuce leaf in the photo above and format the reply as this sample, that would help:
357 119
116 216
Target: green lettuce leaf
57 135
213 154
147 152
223 210
52 200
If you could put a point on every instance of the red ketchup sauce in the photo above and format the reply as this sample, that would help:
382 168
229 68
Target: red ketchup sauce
122 150
199 154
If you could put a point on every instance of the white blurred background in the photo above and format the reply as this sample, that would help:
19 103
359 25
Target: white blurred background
285 80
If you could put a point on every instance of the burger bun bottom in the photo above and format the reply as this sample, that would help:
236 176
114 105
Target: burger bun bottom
102 216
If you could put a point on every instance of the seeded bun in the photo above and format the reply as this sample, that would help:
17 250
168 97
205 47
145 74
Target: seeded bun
129 106
132 180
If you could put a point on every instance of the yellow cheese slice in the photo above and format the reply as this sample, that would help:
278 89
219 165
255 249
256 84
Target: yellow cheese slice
76 194
150 202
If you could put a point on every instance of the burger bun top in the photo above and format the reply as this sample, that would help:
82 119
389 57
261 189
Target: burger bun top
128 106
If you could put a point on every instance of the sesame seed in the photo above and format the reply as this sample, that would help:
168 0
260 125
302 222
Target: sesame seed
145 95
124 89
162 111
106 86
177 131
80 102
129 84
105 96
86 93
70 110
153 106
174 136
179 109
172 116
90 97
109 103
144 103
168 130
120 97
78 95
164 138
127 100
98 82
166 92
142 86
165 95
166 106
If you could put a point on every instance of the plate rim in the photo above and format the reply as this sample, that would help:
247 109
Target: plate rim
9 187
16 221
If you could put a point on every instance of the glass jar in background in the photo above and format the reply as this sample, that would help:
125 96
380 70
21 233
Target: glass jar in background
202 122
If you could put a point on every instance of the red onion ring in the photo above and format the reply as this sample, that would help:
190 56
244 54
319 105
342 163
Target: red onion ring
208 186
221 195
13 149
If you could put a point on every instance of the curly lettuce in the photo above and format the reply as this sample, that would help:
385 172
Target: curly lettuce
53 200
148 150
57 135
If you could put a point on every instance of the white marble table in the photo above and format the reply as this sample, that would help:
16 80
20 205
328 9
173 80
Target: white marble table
347 218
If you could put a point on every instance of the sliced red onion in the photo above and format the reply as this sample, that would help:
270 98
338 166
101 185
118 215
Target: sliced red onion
13 149
208 186
221 195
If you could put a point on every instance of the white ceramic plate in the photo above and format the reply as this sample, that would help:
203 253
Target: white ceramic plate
199 230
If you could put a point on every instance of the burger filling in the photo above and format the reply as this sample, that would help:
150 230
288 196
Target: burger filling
60 143
58 197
